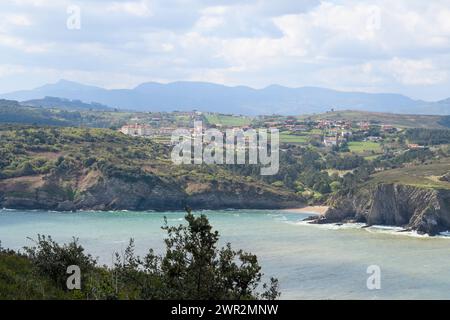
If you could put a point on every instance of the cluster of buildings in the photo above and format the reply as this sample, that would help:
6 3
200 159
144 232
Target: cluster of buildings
137 130
332 132
144 130
331 141
338 131
338 124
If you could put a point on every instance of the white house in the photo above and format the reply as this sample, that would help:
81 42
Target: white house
137 130
331 141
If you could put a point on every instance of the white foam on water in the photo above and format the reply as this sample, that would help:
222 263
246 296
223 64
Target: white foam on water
391 230
400 232
175 219
329 226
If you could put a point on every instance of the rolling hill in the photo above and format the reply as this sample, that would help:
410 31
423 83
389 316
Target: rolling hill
398 120
62 103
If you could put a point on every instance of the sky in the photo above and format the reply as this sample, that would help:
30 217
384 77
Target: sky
400 46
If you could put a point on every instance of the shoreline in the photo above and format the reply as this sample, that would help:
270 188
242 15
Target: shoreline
308 209
319 210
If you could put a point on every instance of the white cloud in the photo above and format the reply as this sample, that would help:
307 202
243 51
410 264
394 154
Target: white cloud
22 45
35 3
209 22
384 45
8 70
18 20
136 8
416 72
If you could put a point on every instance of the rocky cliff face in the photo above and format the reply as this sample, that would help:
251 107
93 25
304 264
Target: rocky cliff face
420 209
96 191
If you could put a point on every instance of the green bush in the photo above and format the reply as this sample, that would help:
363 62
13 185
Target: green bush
192 267
52 259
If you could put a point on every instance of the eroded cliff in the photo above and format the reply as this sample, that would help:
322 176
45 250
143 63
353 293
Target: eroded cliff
425 210
94 190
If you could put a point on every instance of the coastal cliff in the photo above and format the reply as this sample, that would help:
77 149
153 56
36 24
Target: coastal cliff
425 210
94 190
68 169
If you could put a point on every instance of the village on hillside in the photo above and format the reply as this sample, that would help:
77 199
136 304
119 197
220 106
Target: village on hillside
365 137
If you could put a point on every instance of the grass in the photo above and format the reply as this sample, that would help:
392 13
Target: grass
364 146
226 120
373 157
161 139
423 176
19 281
314 131
341 173
286 137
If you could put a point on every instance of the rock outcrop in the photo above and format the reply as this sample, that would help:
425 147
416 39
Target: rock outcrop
95 191
445 177
420 209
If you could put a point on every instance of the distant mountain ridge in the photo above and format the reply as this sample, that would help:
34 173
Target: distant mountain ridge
204 96
63 103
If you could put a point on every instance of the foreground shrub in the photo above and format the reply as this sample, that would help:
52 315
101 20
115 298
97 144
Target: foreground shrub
52 259
192 267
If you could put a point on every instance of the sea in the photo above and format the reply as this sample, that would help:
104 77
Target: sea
310 261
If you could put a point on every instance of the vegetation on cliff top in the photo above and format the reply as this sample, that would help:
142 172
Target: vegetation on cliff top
427 175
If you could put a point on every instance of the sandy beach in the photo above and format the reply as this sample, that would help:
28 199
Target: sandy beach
309 209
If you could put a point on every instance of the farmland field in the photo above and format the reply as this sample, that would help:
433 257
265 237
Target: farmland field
291 138
364 146
227 120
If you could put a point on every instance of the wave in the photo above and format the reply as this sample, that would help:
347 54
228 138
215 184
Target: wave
391 230
330 226
280 218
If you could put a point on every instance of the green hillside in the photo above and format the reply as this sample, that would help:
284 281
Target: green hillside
422 175
400 120
227 120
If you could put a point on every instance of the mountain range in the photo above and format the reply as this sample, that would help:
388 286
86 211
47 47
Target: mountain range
63 103
204 96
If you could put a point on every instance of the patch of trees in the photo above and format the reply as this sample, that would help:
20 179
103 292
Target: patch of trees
95 117
26 115
445 121
351 180
428 136
413 155
343 162
318 181
125 173
390 160
80 148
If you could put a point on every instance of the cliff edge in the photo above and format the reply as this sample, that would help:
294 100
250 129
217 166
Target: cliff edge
425 210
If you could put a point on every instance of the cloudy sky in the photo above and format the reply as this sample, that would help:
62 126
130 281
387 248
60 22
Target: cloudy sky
375 46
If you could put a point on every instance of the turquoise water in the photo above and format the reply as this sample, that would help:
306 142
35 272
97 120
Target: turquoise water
311 262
